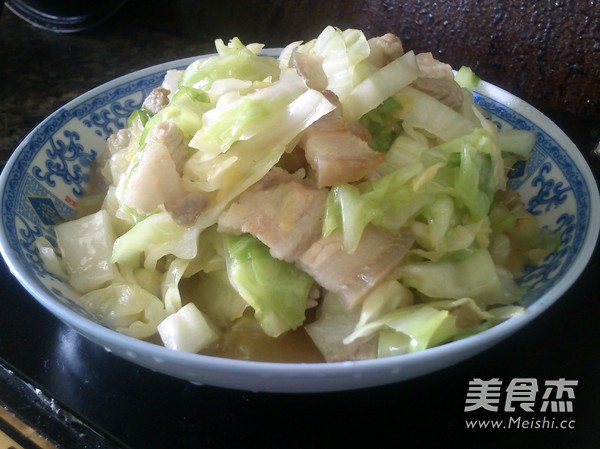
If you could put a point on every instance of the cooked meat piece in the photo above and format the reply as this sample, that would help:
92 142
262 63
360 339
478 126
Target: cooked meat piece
293 160
437 79
169 134
433 68
282 210
276 176
310 68
115 143
384 49
156 181
338 152
335 167
118 141
185 209
157 99
352 276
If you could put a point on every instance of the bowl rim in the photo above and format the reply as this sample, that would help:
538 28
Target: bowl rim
484 339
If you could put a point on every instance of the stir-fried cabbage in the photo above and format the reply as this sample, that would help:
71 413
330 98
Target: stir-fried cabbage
202 187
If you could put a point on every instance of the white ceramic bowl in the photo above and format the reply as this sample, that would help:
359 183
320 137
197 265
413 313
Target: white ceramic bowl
47 175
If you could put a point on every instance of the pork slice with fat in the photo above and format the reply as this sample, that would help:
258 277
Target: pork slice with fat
283 211
437 80
337 152
352 276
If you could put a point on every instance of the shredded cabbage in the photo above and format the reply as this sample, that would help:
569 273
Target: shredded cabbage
276 290
157 260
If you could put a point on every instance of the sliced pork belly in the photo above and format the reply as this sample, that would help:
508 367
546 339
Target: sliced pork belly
168 134
437 80
282 210
338 153
156 180
310 68
352 276
384 49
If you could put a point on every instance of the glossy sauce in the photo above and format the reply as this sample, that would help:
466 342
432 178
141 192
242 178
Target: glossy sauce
246 341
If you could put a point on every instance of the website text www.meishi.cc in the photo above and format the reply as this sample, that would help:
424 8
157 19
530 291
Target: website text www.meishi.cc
520 422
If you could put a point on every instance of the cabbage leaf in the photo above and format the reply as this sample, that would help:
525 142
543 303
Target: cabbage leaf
276 290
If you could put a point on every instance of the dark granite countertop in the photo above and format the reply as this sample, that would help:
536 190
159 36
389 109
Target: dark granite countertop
40 71
547 54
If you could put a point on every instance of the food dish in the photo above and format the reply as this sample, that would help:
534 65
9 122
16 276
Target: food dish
344 201
47 174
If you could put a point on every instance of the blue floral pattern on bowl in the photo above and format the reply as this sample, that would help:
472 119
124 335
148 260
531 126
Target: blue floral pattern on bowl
553 190
50 172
